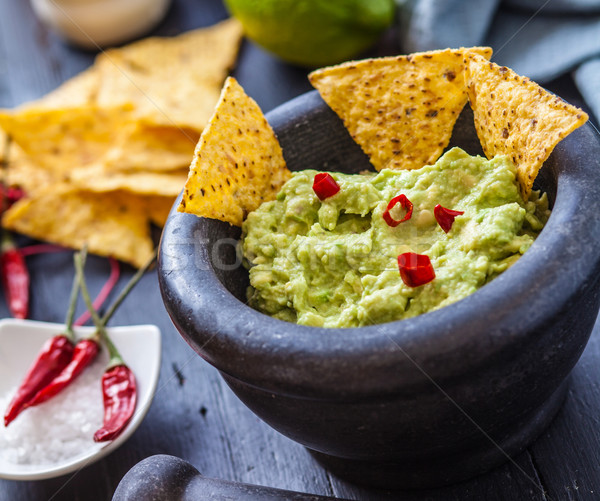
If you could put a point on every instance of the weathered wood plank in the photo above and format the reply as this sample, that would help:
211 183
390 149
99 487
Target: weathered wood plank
34 60
515 480
572 443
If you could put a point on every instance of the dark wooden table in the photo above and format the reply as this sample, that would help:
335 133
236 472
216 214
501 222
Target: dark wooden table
194 415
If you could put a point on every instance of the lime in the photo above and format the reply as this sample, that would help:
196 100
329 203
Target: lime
313 32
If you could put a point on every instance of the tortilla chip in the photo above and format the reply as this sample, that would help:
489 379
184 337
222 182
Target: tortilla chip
158 208
238 163
108 151
3 145
101 179
3 160
79 90
173 81
61 139
516 117
111 224
400 110
149 147
23 172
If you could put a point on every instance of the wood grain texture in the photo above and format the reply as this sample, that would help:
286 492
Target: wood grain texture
194 414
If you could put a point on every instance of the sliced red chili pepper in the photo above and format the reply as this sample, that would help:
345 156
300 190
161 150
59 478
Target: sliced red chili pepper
119 393
324 185
15 278
55 355
84 354
415 269
405 203
445 217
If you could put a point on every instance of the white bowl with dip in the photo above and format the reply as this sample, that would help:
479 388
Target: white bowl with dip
93 24
20 342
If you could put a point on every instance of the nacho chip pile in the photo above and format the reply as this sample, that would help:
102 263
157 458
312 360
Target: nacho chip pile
106 153
400 110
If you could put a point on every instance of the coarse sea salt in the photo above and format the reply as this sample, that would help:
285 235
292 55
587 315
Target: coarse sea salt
59 429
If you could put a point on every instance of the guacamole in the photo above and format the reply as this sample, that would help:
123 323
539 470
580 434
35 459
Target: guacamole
334 262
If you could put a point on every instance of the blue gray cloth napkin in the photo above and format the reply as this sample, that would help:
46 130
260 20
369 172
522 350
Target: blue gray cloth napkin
541 39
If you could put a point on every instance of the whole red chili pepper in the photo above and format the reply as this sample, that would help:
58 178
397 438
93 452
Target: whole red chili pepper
119 393
55 355
119 388
84 353
86 350
15 277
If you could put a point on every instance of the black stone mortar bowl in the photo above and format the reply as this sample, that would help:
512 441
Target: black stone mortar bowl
414 403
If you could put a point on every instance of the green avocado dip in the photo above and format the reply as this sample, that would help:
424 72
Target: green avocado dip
334 262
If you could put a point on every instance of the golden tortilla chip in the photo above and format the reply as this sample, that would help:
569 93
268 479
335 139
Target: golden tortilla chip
516 117
3 160
79 90
108 151
174 81
238 163
111 224
158 208
61 139
22 171
100 179
3 145
400 110
148 147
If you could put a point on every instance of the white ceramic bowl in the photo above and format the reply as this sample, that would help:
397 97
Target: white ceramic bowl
20 342
99 23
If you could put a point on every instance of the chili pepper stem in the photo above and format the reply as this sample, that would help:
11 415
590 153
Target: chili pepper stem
100 323
107 288
113 353
73 301
130 285
7 242
119 390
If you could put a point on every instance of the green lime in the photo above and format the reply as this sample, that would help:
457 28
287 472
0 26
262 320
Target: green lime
314 32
